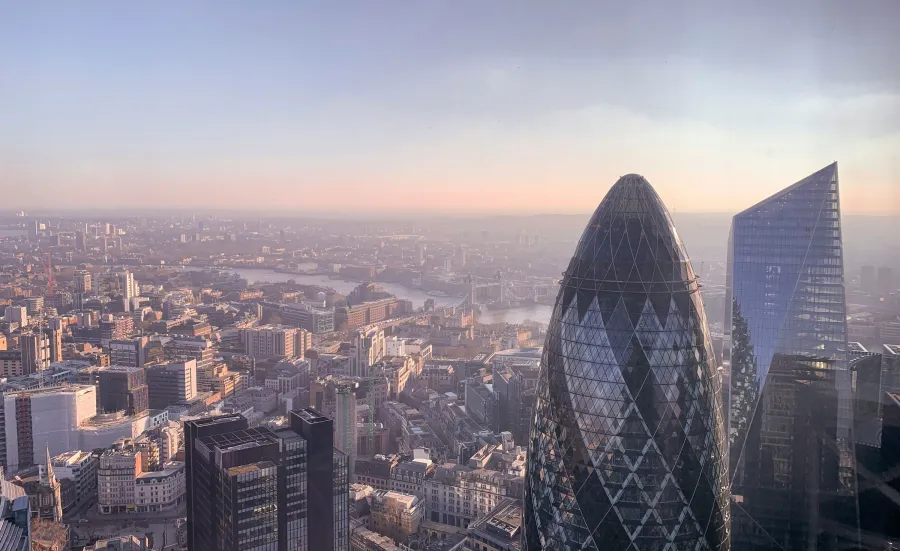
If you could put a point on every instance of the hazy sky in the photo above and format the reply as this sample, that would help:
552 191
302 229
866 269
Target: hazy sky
478 105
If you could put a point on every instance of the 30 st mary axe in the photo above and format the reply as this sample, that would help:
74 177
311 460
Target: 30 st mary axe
627 447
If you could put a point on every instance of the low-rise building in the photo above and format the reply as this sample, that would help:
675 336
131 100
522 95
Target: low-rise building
162 490
116 473
363 539
396 514
457 495
409 476
375 471
81 468
499 530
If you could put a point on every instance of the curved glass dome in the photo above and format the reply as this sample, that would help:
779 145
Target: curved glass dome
627 444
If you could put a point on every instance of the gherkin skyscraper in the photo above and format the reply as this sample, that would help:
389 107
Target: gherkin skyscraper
627 444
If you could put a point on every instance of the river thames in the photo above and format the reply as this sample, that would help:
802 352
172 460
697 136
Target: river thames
535 312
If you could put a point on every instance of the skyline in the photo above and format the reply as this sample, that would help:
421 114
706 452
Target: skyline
475 108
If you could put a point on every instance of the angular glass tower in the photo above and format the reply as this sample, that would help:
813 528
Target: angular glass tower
627 444
790 418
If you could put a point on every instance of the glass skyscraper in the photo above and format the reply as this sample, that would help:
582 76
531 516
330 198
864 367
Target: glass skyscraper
627 445
790 418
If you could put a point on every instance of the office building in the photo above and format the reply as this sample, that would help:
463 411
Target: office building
482 404
252 487
10 363
457 495
366 348
627 446
123 389
396 515
161 490
80 244
186 348
499 530
82 282
271 341
129 352
37 420
80 467
17 314
791 457
116 472
34 305
171 383
315 319
374 471
35 352
345 421
54 335
198 481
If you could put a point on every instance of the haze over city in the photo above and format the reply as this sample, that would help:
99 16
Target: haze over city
450 276
462 106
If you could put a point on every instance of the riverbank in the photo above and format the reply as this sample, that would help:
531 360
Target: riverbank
536 312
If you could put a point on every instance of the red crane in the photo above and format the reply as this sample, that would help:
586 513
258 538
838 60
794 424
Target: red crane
48 268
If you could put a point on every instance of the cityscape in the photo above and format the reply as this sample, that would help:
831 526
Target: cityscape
259 296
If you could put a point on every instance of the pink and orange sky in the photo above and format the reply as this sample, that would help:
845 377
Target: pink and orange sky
461 106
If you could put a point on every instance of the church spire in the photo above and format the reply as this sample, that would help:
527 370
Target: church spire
51 476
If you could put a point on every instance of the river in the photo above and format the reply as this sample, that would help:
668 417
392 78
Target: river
536 312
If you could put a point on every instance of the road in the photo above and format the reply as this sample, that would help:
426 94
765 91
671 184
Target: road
91 526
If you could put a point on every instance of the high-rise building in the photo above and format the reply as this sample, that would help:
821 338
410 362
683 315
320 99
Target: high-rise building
54 335
123 389
34 305
80 241
790 416
128 285
37 420
172 383
367 347
83 283
345 427
130 352
35 352
251 488
18 314
627 446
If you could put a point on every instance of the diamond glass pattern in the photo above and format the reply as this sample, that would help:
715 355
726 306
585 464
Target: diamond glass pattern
627 445
790 417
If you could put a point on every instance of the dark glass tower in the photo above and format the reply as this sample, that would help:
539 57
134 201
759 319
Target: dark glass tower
790 411
627 444
255 488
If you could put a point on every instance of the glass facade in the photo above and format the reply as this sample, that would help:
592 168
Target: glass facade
790 411
627 445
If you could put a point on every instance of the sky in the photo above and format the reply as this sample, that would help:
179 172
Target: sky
460 106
